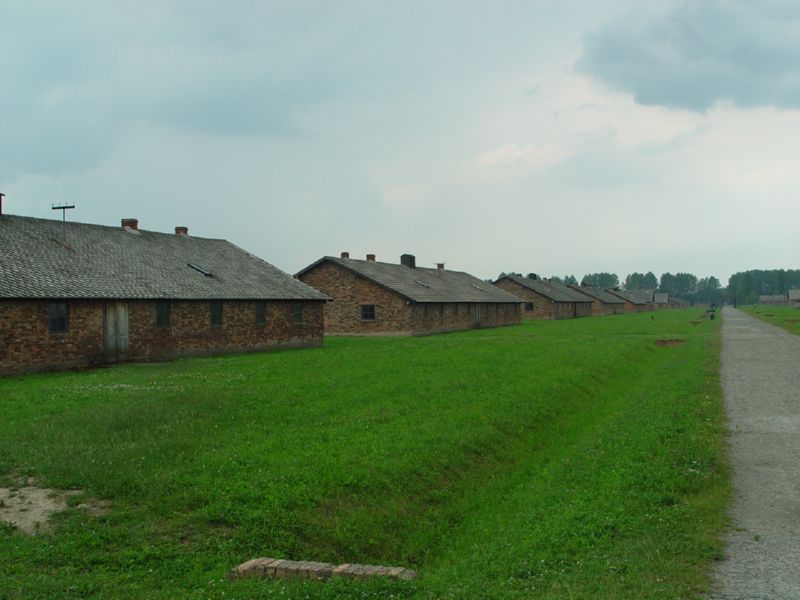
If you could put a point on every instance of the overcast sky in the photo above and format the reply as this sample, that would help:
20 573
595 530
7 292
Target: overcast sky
549 137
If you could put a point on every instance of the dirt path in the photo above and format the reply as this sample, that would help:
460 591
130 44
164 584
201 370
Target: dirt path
761 380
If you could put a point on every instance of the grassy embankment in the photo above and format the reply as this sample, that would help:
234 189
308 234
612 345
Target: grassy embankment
785 317
567 459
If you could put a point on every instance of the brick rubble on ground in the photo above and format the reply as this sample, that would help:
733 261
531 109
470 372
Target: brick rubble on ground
303 569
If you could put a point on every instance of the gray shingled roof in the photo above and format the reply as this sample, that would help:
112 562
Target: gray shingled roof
644 296
599 294
629 296
423 284
549 289
40 258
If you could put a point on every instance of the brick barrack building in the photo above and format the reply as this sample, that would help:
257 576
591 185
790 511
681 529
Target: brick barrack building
603 303
74 295
370 297
545 299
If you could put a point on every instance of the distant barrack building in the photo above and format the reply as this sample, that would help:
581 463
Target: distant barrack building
75 294
635 300
546 299
774 299
794 298
603 302
370 297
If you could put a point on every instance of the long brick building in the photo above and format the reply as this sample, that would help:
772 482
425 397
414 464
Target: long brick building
603 303
546 299
74 295
635 301
371 297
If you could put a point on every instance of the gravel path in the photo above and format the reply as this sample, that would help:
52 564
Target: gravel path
761 381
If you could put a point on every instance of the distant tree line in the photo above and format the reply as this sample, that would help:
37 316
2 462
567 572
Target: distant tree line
689 287
566 279
747 286
744 287
641 281
601 280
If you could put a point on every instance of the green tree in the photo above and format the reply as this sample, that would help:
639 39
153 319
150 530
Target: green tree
641 281
601 280
708 290
746 286
634 281
667 283
685 285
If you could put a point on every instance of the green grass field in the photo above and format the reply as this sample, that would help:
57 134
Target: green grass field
785 317
570 459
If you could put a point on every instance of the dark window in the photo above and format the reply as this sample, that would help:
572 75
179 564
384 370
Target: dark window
297 313
58 317
529 306
162 315
216 314
261 313
441 312
455 310
368 312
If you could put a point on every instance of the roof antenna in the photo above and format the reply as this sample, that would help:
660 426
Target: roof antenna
63 208
1 204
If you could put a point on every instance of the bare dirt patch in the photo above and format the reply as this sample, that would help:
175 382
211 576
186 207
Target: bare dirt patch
672 342
792 320
29 508
695 322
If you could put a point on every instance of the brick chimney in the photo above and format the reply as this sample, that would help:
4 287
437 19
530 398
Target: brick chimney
345 255
439 268
131 223
371 257
181 231
408 260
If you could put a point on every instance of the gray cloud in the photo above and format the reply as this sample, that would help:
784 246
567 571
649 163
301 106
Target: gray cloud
698 53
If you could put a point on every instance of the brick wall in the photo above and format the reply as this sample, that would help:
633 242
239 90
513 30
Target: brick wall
432 317
630 307
26 345
598 308
393 315
190 332
349 292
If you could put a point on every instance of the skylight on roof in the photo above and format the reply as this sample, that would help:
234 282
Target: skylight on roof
422 283
199 269
477 287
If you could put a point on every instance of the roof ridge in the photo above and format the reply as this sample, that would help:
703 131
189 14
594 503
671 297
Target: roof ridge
112 227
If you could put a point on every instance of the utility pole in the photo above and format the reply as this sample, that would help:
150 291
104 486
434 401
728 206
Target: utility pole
63 208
